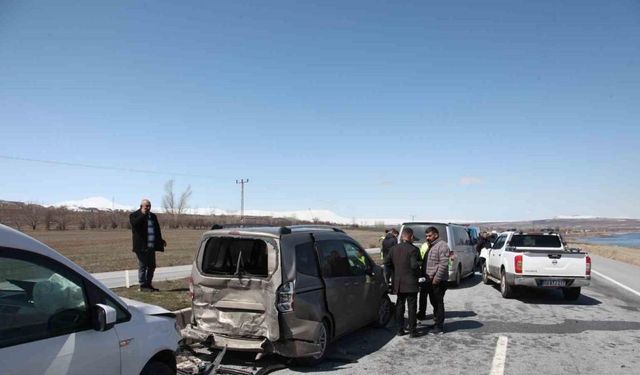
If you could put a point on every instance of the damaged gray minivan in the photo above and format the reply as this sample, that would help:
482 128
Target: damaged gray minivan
283 290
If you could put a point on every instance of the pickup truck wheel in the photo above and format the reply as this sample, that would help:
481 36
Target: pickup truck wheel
485 274
505 289
571 294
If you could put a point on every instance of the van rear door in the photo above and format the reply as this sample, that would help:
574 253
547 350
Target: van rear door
235 278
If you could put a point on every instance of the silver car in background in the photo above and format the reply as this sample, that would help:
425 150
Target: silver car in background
462 257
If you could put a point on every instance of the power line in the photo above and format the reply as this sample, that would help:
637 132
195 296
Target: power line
101 167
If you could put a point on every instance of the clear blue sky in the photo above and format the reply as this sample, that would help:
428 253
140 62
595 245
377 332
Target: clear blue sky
452 109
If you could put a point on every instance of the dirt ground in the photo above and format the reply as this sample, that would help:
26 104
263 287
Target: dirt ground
623 254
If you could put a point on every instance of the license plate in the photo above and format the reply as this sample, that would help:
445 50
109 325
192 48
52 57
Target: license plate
553 283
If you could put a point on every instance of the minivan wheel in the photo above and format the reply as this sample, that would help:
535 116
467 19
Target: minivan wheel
458 280
385 312
322 340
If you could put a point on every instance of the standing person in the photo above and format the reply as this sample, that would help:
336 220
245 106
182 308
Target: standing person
437 274
390 240
483 242
403 258
422 282
147 239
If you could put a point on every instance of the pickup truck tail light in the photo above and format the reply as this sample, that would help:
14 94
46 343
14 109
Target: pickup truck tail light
518 263
286 296
588 270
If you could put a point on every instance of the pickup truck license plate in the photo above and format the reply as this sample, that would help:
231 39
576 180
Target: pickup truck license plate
553 283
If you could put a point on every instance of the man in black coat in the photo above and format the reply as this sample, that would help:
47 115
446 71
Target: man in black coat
390 240
403 259
147 239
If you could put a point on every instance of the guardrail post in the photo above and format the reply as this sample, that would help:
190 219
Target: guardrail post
126 278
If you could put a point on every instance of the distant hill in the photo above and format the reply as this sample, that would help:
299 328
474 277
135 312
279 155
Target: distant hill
595 224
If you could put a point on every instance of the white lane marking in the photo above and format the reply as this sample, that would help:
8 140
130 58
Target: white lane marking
621 285
499 359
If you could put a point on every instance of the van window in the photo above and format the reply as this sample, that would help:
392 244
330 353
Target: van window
420 229
306 260
235 256
461 236
333 259
357 261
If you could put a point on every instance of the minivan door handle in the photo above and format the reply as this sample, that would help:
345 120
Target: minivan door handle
346 283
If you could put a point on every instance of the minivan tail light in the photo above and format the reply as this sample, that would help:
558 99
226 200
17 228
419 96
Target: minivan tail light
286 296
190 293
588 271
518 263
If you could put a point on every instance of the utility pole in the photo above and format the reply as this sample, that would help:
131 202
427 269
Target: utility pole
242 182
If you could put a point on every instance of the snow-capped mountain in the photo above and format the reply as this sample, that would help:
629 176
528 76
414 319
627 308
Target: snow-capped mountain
100 203
326 216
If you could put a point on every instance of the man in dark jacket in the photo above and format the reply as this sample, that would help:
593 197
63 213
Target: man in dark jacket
403 259
147 239
390 240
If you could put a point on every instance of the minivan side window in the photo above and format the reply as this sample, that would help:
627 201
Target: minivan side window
39 300
333 259
306 260
357 262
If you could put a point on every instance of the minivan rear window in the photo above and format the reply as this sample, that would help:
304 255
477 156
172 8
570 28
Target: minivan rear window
235 256
535 240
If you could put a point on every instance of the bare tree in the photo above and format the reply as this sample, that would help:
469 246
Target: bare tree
33 214
173 206
61 217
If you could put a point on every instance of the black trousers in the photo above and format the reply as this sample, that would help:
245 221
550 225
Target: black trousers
411 300
436 296
146 266
422 298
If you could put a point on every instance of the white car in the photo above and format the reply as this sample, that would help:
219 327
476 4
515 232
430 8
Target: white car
55 318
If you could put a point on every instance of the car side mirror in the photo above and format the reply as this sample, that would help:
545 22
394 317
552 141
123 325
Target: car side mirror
104 317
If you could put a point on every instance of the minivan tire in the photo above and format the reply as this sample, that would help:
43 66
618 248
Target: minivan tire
157 368
458 278
323 338
385 312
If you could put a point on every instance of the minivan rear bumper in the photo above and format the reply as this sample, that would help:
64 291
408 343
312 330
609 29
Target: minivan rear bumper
218 341
287 347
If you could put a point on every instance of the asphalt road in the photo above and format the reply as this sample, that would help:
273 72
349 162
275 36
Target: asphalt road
543 333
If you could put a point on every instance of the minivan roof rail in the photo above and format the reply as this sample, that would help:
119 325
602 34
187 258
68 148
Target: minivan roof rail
301 227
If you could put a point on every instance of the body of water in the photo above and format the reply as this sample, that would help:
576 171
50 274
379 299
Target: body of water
627 240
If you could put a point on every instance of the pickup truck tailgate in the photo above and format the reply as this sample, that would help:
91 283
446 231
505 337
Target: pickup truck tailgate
541 262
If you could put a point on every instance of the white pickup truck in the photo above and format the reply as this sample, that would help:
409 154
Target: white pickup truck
537 260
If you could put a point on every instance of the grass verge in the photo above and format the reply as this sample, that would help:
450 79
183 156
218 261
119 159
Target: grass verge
172 295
